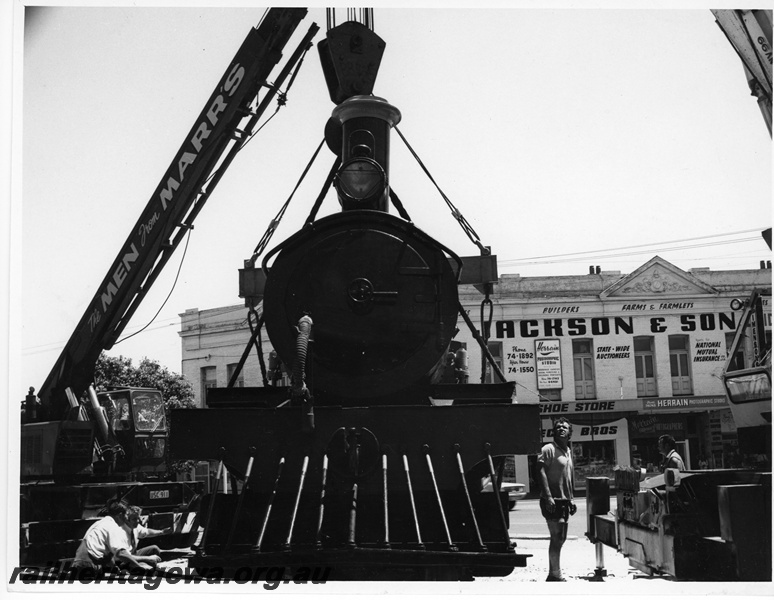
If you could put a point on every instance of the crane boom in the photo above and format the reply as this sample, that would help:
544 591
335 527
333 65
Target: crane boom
750 33
170 212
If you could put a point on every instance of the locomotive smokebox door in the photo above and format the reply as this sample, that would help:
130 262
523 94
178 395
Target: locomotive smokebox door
383 299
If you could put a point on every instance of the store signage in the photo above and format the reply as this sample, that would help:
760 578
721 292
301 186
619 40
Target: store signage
556 408
565 408
655 425
548 361
705 350
586 433
534 328
683 403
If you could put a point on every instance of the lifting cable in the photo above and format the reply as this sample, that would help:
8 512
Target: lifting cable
365 16
486 323
163 304
323 192
255 338
264 241
466 226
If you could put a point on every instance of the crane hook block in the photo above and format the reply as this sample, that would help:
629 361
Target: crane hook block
350 55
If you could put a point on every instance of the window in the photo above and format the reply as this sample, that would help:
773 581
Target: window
230 370
679 363
496 350
209 380
554 395
738 361
644 365
583 365
148 411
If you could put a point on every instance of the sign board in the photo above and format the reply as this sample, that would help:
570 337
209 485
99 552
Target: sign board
685 403
548 364
652 425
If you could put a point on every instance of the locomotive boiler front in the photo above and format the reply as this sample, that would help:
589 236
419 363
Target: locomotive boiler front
381 294
383 299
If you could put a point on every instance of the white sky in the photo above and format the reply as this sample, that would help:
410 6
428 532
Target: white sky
553 131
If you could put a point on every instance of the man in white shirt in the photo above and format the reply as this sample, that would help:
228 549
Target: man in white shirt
106 544
668 448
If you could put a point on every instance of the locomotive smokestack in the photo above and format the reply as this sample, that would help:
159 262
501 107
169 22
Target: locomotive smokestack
359 129
363 124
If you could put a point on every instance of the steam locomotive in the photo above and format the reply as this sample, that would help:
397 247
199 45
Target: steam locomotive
370 462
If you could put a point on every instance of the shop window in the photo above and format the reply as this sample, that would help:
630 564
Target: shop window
583 365
553 395
679 362
737 362
644 365
593 459
496 350
230 370
208 380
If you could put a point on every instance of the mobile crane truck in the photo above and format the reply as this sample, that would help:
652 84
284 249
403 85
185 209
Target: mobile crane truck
81 448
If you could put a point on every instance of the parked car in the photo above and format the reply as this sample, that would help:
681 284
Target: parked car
516 491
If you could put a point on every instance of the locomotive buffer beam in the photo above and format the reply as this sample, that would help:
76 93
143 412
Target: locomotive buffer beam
363 557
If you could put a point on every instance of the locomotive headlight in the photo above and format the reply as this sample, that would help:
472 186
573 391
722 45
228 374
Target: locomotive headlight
360 182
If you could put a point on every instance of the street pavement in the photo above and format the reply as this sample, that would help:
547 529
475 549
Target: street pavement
529 531
579 556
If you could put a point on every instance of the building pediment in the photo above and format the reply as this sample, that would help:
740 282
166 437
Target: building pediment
658 277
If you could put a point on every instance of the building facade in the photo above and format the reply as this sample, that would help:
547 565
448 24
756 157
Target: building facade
625 358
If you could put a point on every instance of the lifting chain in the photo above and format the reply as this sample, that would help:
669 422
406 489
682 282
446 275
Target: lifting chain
486 324
255 331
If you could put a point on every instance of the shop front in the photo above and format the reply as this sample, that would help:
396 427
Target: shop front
596 448
600 436
644 431
699 425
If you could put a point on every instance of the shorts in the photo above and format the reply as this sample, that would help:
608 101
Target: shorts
561 510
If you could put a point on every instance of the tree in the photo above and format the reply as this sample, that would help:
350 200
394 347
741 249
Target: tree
175 389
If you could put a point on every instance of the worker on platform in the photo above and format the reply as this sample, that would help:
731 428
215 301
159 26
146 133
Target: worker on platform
668 448
557 478
135 531
106 545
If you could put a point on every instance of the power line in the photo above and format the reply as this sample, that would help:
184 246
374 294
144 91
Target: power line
159 324
584 256
531 258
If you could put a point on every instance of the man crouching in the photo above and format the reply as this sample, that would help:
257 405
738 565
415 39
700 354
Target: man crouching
106 544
